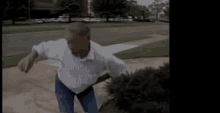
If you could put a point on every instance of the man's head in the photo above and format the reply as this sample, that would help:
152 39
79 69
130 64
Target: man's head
78 38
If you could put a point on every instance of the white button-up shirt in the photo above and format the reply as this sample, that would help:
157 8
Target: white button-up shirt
78 74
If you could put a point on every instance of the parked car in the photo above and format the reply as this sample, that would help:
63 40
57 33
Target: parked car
53 20
96 19
45 20
89 19
130 20
118 19
111 19
61 19
86 19
38 21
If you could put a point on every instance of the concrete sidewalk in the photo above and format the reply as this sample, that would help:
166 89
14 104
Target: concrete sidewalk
34 92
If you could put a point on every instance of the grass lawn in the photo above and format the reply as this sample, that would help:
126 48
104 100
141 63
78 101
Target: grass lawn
156 49
13 60
61 26
122 40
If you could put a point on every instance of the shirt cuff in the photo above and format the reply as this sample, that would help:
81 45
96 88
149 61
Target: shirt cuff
40 50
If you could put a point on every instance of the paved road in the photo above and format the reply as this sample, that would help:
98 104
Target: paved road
20 43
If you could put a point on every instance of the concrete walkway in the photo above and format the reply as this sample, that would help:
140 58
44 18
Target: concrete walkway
34 92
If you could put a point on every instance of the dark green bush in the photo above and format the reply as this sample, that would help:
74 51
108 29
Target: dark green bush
146 90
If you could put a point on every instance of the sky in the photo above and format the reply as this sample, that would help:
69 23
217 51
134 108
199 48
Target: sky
147 2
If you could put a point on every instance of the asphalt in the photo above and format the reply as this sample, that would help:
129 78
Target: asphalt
20 43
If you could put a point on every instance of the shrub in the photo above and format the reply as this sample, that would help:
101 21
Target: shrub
145 90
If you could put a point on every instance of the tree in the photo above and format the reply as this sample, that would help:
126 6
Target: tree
144 11
132 6
109 7
166 10
72 7
147 12
16 8
157 7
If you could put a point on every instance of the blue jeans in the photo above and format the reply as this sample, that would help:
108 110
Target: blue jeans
65 98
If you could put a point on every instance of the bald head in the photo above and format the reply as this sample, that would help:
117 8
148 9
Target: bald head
77 29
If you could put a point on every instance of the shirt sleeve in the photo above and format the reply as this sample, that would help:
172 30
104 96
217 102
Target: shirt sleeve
48 49
115 66
40 50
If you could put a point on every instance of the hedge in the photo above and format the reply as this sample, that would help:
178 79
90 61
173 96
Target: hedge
145 90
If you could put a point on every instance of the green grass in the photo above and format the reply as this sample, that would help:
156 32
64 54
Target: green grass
156 49
60 26
13 60
122 40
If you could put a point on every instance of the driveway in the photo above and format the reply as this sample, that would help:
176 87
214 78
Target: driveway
20 43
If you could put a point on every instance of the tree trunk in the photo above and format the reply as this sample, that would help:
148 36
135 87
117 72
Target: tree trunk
157 15
69 19
13 21
107 17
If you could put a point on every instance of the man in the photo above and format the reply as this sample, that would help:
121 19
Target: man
83 61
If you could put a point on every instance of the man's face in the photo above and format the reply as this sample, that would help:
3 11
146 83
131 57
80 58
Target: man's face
78 44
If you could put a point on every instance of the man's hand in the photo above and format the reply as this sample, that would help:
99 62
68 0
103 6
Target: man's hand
26 63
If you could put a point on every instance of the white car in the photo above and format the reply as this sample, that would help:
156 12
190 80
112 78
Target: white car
86 19
96 19
37 21
130 20
53 20
45 20
62 20
118 19
111 19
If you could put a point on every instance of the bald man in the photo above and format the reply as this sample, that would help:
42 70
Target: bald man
83 61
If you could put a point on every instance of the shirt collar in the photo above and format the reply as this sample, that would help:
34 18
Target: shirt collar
90 56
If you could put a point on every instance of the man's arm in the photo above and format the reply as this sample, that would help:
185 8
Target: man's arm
33 55
102 78
115 66
49 49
